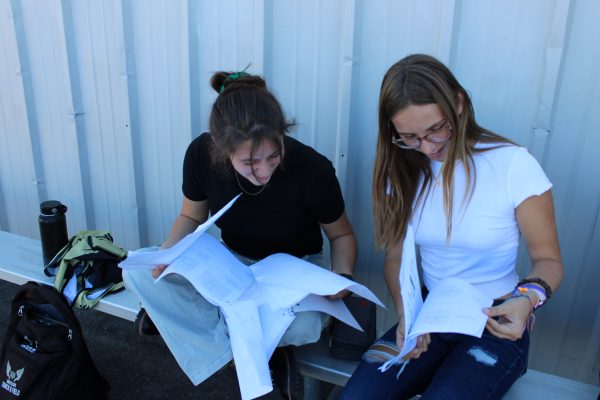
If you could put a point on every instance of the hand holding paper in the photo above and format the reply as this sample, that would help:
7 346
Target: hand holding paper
452 306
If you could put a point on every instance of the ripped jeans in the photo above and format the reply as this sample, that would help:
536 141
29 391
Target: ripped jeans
455 366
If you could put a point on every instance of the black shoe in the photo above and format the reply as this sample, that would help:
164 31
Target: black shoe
285 373
144 325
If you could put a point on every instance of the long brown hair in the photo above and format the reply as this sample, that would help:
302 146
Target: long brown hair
244 110
419 80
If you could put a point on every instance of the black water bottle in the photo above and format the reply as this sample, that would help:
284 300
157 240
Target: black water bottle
53 228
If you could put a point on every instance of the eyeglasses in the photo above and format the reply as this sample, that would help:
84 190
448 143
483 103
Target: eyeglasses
439 133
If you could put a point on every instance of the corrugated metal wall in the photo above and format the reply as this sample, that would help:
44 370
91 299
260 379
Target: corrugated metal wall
99 100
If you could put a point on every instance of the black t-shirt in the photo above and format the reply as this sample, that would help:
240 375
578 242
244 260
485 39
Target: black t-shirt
284 217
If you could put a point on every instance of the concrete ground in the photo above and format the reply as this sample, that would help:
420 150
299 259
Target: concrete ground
137 367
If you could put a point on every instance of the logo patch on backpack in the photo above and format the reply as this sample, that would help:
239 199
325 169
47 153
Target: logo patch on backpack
12 377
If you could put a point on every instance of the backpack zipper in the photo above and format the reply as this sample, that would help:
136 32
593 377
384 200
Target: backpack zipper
49 319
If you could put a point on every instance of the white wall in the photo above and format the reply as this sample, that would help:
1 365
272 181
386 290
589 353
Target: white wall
99 99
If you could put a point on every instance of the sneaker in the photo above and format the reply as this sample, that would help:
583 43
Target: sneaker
286 374
144 325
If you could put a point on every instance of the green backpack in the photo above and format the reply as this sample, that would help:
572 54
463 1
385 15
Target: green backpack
87 268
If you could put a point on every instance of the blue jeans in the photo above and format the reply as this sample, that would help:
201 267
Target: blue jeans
455 366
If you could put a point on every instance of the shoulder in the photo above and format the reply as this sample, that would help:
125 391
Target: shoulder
499 154
198 150
299 156
201 144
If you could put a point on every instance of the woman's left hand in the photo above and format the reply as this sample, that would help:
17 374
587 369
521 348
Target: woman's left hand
509 319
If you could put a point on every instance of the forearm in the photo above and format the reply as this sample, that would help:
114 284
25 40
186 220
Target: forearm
342 245
182 226
535 217
391 271
550 270
343 254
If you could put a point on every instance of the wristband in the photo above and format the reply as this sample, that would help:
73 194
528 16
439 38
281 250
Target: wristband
522 290
540 282
347 276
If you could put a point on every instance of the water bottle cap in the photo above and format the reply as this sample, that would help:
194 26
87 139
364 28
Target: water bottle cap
52 207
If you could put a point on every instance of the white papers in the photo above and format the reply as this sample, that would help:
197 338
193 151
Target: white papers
332 307
220 276
149 260
258 302
299 277
251 364
410 288
452 306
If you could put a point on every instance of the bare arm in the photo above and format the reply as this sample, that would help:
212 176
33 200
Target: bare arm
342 244
391 271
535 217
193 213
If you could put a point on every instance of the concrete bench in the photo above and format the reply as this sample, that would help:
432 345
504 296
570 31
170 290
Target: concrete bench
21 261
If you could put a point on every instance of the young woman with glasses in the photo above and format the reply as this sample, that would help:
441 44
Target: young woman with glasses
469 194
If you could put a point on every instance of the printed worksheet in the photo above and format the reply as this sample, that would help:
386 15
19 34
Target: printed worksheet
143 259
259 302
453 305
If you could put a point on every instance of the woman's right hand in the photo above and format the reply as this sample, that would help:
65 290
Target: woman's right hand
422 341
158 270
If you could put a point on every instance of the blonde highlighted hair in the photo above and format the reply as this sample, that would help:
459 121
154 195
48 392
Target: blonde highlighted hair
419 80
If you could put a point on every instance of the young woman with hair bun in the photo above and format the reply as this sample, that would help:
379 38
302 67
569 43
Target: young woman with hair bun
289 194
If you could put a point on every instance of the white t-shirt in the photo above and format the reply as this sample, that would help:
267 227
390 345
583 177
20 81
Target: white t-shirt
485 236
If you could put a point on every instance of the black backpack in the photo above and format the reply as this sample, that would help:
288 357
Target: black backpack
44 355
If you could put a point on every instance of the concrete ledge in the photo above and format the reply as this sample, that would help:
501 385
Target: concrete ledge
21 261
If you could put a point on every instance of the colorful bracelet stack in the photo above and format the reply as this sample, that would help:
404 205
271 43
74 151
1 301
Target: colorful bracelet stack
537 286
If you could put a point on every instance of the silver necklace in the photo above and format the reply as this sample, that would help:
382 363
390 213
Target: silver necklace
244 190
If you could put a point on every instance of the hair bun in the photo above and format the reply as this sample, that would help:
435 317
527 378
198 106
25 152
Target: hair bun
222 80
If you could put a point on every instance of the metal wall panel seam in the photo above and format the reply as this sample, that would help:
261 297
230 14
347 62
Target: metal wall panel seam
259 36
553 65
316 81
76 113
268 44
124 18
193 70
294 74
450 13
33 131
345 83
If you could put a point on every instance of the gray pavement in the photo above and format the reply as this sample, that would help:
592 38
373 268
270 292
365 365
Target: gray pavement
137 367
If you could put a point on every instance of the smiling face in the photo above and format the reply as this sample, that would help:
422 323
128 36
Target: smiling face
258 167
418 121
